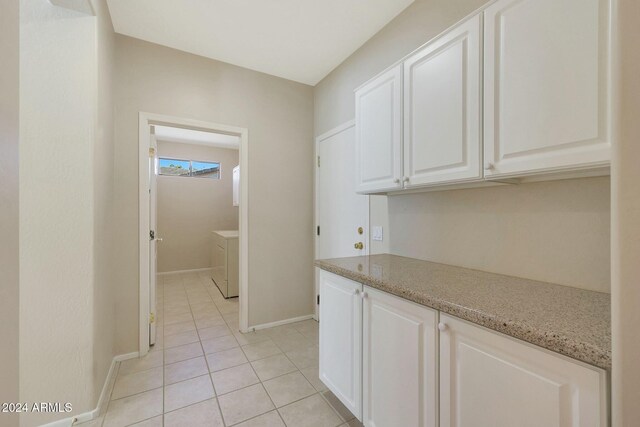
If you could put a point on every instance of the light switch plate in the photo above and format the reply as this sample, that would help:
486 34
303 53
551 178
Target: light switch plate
376 233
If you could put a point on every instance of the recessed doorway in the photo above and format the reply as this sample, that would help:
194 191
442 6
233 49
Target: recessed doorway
186 156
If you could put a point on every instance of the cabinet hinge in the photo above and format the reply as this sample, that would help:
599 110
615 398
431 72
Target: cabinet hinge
318 299
152 318
318 231
318 161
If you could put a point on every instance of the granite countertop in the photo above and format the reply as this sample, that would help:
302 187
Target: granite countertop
569 321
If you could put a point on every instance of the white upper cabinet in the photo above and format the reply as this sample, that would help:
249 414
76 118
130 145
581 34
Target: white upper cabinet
442 109
379 133
546 86
399 368
489 380
341 339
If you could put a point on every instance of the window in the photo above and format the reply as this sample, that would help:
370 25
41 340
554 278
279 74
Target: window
177 167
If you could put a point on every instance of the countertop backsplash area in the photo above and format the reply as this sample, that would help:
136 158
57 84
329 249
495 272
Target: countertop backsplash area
557 231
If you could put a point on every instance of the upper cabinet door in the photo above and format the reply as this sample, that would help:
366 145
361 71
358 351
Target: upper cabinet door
379 133
546 86
442 86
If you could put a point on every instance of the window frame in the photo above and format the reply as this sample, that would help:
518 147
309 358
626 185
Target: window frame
190 174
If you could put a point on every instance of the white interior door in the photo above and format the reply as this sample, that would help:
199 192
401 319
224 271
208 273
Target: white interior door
153 238
342 215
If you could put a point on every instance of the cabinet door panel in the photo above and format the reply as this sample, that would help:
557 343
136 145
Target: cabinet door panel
379 133
341 339
442 108
399 362
489 380
546 85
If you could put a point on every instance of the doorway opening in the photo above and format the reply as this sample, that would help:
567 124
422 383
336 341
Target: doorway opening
186 156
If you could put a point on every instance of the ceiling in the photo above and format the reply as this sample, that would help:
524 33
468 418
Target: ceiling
300 40
197 137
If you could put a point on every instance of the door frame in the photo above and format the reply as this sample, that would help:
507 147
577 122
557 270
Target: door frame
316 200
145 120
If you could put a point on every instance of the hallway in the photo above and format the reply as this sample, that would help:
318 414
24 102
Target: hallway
201 372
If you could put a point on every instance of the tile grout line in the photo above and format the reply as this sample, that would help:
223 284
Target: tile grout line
206 361
190 292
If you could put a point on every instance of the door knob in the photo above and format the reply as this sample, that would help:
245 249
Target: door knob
405 179
489 166
359 245
396 181
442 326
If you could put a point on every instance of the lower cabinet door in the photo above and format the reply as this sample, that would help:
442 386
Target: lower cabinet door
341 339
399 362
489 380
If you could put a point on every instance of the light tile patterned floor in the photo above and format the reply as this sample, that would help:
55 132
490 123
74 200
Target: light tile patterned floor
203 372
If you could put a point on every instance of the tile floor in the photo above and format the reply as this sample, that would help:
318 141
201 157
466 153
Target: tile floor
202 372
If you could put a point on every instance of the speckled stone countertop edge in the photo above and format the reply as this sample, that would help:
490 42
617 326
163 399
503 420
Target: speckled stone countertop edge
555 342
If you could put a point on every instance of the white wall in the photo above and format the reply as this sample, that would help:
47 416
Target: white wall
66 303
487 229
279 116
625 285
9 221
190 208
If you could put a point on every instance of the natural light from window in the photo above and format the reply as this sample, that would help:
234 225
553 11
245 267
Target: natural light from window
193 168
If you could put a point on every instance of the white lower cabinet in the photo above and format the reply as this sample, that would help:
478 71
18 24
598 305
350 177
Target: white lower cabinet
489 380
392 364
341 339
399 370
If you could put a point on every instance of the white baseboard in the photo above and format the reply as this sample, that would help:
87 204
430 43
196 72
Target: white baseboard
127 356
103 400
281 322
195 270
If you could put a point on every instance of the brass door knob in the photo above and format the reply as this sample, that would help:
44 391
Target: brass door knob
358 245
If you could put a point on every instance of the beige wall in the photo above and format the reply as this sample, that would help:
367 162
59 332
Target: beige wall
66 304
104 313
625 286
279 116
9 221
190 208
510 230
556 232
